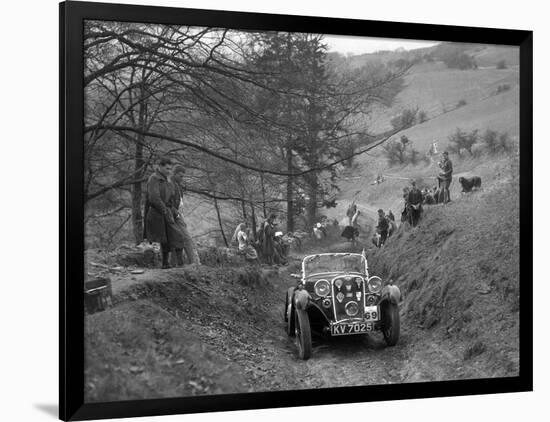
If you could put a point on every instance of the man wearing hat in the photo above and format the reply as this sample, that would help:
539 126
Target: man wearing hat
446 176
160 225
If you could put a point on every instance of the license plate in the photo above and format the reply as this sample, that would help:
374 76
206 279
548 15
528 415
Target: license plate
372 313
353 328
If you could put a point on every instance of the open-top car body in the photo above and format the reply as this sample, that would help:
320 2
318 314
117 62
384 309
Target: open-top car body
336 296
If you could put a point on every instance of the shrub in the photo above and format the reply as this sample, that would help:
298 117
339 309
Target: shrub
461 103
406 119
495 142
461 140
501 64
422 116
400 152
456 58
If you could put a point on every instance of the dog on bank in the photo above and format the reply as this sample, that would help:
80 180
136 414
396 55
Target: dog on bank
469 183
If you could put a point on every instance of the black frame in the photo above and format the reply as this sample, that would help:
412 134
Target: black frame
71 258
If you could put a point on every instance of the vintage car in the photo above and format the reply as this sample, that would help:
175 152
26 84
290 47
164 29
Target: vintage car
336 296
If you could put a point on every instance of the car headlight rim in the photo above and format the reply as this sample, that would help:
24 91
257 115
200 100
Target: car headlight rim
351 312
319 285
375 284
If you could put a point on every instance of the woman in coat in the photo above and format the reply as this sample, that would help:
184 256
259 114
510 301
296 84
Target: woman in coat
160 225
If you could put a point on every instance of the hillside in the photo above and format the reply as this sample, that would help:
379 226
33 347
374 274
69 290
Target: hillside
218 330
459 272
437 90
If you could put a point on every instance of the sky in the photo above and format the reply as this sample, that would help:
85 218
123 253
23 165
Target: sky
360 45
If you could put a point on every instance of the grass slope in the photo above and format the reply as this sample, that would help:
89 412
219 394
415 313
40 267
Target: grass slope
181 332
459 273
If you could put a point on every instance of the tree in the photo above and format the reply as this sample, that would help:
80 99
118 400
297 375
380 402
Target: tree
461 140
495 142
407 118
455 57
422 116
261 120
401 151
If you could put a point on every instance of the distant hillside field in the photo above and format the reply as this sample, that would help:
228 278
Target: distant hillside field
435 90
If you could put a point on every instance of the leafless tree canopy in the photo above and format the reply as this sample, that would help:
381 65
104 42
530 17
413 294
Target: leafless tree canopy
261 121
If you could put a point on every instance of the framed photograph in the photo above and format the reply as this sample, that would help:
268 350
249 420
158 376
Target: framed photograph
264 211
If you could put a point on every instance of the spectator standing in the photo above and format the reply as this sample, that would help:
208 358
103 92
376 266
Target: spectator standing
446 176
382 227
187 243
160 225
415 204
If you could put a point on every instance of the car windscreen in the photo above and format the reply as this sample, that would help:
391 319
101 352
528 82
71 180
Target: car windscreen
334 263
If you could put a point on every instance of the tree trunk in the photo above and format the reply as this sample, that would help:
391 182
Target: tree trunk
245 217
220 222
139 162
312 202
137 195
289 193
253 216
263 195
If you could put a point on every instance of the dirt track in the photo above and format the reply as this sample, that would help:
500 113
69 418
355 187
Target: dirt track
217 330
365 359
266 356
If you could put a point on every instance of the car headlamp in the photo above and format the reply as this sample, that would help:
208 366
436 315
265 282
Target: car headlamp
375 284
352 308
322 288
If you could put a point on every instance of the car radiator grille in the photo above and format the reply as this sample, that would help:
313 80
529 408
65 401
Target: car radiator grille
351 290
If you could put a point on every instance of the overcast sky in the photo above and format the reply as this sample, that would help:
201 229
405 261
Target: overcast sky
360 45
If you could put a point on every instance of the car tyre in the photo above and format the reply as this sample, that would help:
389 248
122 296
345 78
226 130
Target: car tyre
303 334
390 330
290 314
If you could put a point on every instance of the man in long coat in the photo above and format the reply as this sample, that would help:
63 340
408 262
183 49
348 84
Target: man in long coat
267 240
446 176
160 225
415 204
382 227
176 179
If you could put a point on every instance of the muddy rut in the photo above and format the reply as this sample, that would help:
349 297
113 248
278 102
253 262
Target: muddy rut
219 330
362 359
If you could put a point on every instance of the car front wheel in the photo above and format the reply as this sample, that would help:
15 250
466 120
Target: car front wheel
303 334
289 314
390 329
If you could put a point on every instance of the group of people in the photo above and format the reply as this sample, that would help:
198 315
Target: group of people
414 198
269 246
164 222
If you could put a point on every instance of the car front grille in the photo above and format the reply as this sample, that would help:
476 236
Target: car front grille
351 290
